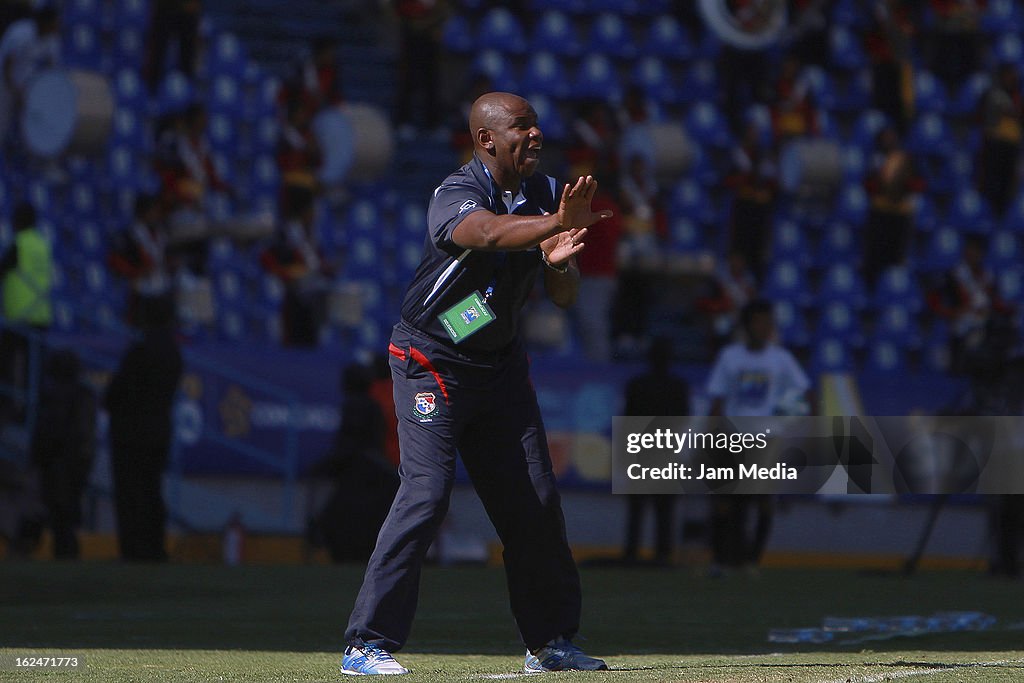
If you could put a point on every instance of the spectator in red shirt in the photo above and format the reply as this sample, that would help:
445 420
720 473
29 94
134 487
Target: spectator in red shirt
598 271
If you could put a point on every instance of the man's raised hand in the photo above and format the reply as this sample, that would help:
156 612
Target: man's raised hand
574 209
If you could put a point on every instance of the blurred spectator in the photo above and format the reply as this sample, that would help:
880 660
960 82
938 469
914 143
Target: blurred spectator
891 187
793 109
365 482
295 258
140 256
12 11
955 39
745 74
598 270
140 399
753 178
639 253
26 270
420 23
1002 117
185 164
172 21
298 153
316 82
27 47
808 30
593 141
968 298
753 377
64 447
656 392
734 286
461 138
382 391
888 46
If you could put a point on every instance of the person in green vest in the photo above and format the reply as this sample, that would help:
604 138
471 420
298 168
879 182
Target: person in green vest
26 271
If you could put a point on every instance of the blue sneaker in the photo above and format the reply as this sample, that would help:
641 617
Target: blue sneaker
561 655
370 660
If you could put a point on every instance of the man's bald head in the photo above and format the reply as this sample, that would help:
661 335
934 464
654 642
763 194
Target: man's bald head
492 110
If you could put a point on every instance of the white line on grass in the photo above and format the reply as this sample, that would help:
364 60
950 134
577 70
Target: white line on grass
892 675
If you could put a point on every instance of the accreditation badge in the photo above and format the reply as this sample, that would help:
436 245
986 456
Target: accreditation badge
467 317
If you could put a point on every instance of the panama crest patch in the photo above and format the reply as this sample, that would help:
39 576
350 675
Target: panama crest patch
424 406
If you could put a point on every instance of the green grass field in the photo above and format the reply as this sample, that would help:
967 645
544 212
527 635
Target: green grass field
269 623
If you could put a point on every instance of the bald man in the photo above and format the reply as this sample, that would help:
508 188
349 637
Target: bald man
462 388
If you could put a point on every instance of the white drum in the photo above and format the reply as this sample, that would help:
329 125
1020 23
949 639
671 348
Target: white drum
356 142
67 111
811 166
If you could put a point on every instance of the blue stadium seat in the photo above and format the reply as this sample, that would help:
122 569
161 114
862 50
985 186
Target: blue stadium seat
707 124
227 56
500 28
83 47
555 32
407 259
176 92
943 249
896 323
930 135
129 89
129 49
935 351
128 129
226 95
132 15
364 216
855 164
926 215
846 48
852 207
841 282
929 93
970 212
228 287
1014 217
271 291
1011 284
1005 250
545 73
666 39
83 199
831 355
651 74
264 178
95 273
791 324
840 321
609 35
1009 48
686 235
64 316
786 281
789 243
572 6
700 82
222 132
886 356
850 13
839 244
363 256
231 325
867 128
897 286
90 239
691 200
123 166
597 78
457 35
969 95
82 12
548 115
497 68
1003 16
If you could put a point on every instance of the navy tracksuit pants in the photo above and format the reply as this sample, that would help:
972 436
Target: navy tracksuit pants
485 411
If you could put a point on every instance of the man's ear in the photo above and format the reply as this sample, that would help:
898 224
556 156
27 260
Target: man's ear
483 137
